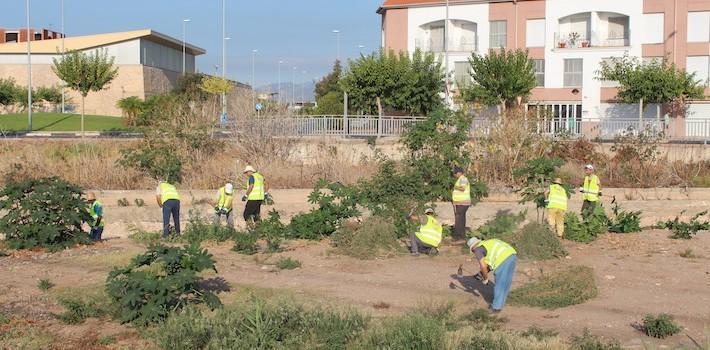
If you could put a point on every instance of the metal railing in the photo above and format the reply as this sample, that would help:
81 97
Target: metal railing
356 126
590 40
463 44
611 128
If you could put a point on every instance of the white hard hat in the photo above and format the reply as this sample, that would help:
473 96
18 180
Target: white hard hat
249 168
429 211
228 188
589 166
472 242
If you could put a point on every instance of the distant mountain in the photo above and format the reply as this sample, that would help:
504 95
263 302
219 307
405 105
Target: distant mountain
286 90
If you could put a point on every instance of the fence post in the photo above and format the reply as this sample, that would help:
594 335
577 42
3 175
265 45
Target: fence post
345 114
379 117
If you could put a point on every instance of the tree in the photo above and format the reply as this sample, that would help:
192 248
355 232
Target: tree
329 83
396 82
8 92
330 104
500 78
191 84
653 82
51 94
132 107
85 73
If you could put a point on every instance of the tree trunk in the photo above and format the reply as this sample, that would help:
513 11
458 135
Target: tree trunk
82 115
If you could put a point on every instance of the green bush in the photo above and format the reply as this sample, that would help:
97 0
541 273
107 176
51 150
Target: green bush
186 330
685 230
139 202
161 280
624 221
413 331
245 243
588 341
659 326
537 241
45 212
335 201
501 226
81 305
200 229
272 230
123 202
595 222
571 286
538 174
287 263
45 284
374 237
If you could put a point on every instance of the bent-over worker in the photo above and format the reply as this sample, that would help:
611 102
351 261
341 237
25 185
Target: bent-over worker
429 235
495 256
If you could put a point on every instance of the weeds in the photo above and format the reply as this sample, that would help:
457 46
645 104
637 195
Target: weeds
414 331
123 202
503 224
537 241
200 229
685 230
82 304
659 326
594 223
688 254
624 221
539 333
245 243
571 286
139 202
374 237
45 284
287 263
588 341
483 318
144 237
107 340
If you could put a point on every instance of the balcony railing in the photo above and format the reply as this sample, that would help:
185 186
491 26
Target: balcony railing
589 40
455 44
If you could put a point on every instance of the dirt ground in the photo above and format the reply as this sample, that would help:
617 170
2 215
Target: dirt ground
636 274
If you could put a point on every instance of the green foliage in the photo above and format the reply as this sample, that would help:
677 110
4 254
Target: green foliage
659 326
161 280
144 237
501 226
571 286
85 72
158 160
411 84
132 107
414 331
216 85
588 341
539 333
191 84
375 237
287 263
595 222
685 230
139 202
537 241
245 243
107 340
500 77
688 254
485 319
44 212
330 104
335 202
51 94
538 175
123 202
654 82
80 307
329 85
8 92
45 284
624 221
200 229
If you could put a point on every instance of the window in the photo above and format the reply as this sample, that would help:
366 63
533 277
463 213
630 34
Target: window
535 33
699 27
11 37
539 69
700 65
499 34
573 72
38 36
462 73
652 28
608 83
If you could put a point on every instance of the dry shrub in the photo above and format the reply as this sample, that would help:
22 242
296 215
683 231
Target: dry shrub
375 237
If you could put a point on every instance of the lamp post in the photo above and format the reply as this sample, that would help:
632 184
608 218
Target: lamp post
224 72
360 47
280 62
293 87
253 87
337 44
29 71
446 54
184 29
303 72
61 11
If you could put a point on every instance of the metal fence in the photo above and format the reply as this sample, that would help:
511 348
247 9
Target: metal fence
355 126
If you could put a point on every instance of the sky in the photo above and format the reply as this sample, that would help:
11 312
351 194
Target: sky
298 32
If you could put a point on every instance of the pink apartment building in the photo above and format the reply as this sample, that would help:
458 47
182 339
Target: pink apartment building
567 39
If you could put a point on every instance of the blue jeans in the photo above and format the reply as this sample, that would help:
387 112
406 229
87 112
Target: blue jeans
95 233
171 207
504 278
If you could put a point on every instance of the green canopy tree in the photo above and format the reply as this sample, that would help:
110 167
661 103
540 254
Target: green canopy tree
653 82
8 92
84 73
500 78
396 82
330 82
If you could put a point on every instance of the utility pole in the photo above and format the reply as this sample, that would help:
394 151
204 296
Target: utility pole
63 35
224 54
280 62
446 54
29 71
337 44
253 81
293 88
184 25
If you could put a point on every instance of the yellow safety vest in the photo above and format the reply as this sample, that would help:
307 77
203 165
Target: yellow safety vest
257 192
225 200
168 192
92 212
461 196
496 252
557 198
591 188
430 233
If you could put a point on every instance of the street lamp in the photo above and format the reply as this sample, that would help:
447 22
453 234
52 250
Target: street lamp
293 87
184 28
446 53
361 47
63 35
337 38
302 84
280 62
253 87
29 72
224 73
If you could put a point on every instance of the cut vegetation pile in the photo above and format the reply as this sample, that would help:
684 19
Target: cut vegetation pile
685 230
374 237
571 286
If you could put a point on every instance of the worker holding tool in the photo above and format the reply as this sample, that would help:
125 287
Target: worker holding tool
257 190
96 210
495 256
223 205
428 237
556 198
169 200
591 191
461 201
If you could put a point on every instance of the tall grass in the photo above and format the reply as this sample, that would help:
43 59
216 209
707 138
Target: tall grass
571 286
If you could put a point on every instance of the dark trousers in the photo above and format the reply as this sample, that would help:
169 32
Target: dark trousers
588 207
252 210
95 233
417 244
171 207
460 221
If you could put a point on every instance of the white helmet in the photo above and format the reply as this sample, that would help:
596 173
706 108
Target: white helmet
228 188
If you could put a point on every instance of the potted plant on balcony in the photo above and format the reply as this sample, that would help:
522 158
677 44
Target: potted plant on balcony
562 44
572 38
585 43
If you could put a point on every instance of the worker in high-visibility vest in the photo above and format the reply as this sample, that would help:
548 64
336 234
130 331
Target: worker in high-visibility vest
461 201
223 205
169 200
495 256
429 235
556 206
591 190
257 190
96 210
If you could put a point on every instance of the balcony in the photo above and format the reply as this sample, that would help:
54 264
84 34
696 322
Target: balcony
462 36
437 45
576 40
